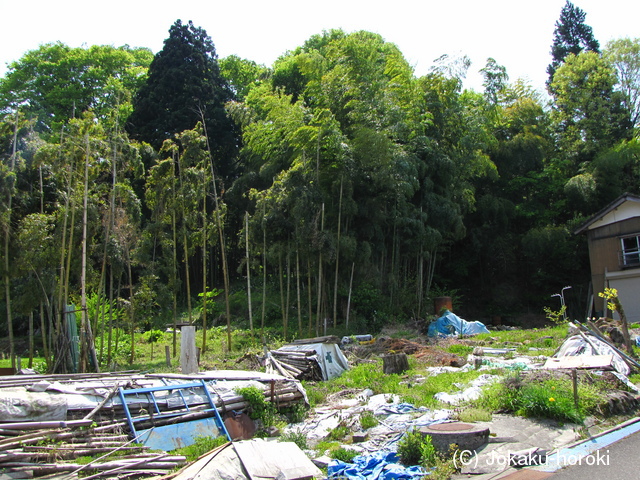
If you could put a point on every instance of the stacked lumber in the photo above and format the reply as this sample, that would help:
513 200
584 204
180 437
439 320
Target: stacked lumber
301 365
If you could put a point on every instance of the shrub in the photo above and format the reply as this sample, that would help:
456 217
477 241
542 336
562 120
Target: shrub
338 433
368 420
345 455
259 408
416 449
298 437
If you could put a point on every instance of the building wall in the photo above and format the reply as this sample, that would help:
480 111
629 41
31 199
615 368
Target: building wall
604 248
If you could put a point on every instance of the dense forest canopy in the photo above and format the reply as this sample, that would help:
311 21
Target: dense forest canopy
334 187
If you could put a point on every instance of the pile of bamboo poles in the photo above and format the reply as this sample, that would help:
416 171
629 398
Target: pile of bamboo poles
301 365
55 451
30 449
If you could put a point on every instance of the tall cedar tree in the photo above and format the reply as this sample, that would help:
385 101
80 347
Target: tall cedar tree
184 79
571 35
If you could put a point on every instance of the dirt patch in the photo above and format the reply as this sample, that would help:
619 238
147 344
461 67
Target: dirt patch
426 353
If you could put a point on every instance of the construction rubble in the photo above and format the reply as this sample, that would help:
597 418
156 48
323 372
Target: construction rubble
48 423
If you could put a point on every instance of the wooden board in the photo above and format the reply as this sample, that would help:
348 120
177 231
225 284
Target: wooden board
580 361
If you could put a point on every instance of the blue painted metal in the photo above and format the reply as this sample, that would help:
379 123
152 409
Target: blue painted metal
177 435
170 437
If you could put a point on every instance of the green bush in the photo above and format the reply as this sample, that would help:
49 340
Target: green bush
338 433
298 437
416 449
368 420
345 455
259 407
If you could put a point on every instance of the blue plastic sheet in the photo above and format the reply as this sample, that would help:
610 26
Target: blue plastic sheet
376 466
450 324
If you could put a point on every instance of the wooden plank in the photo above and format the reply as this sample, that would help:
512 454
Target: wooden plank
580 361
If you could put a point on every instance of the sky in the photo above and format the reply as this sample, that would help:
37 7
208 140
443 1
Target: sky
517 34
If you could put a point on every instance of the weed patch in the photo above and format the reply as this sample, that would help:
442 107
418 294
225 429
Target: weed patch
368 420
201 446
298 437
345 455
543 394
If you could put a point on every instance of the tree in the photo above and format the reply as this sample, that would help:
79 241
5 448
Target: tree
495 80
241 74
624 55
589 114
184 79
571 36
56 82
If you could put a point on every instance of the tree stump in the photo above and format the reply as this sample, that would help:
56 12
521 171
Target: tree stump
396 363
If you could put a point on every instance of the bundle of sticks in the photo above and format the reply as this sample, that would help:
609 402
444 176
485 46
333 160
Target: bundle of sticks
302 365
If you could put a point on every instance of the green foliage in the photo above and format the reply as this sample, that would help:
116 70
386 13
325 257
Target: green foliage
201 446
416 449
367 375
184 87
368 420
473 414
55 81
296 436
259 407
325 447
153 336
571 36
345 455
556 317
545 397
296 414
338 433
460 349
367 303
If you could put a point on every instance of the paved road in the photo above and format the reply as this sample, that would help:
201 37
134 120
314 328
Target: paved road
618 461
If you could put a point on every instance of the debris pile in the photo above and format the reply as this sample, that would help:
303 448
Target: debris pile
48 422
312 359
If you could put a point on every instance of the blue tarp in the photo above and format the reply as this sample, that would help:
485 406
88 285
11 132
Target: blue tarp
376 466
450 324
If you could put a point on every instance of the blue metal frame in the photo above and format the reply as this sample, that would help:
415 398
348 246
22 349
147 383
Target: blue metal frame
149 394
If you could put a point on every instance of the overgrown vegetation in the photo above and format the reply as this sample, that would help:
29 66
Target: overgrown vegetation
545 395
259 408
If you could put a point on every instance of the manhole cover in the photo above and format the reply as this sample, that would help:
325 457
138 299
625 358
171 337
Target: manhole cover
451 427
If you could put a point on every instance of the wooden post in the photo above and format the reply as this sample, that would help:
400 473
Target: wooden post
574 377
167 354
188 353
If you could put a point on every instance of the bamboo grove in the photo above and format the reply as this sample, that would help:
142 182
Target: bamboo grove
334 189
